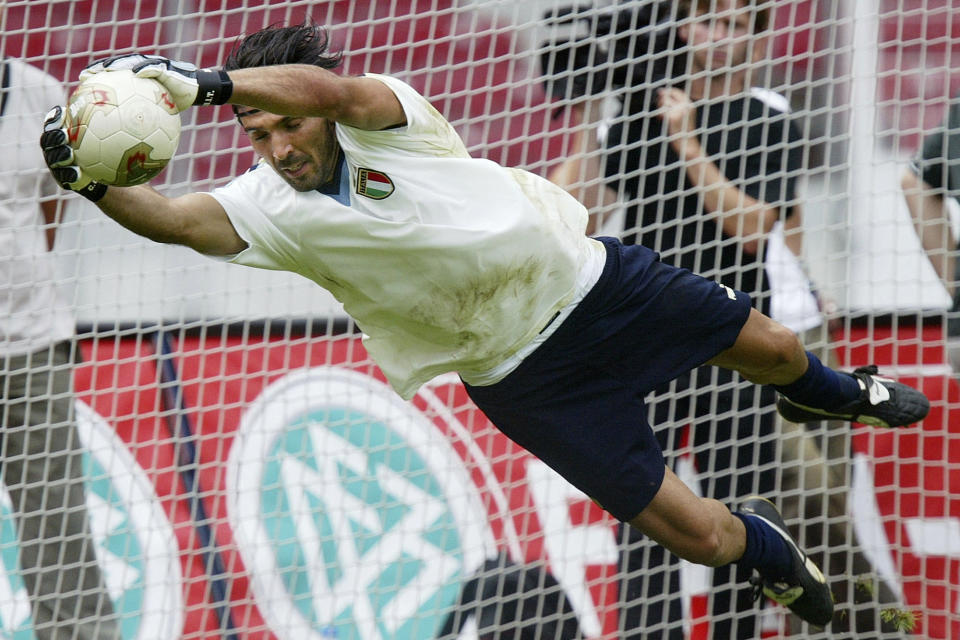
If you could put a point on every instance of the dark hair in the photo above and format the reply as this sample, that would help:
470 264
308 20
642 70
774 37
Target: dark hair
305 43
761 14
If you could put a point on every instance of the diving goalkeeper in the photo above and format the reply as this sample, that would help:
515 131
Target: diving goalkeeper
450 263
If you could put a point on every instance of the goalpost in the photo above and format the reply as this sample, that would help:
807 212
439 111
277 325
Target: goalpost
250 474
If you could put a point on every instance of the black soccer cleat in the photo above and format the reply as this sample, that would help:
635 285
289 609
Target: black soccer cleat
882 403
804 591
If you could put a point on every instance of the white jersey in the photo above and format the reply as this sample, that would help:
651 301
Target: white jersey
446 262
32 317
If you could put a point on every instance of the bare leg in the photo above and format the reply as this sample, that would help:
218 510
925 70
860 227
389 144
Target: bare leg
700 530
766 352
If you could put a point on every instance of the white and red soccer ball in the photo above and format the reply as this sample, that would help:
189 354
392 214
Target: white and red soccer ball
123 129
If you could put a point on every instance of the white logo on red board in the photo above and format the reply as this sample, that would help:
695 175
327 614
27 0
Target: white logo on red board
134 542
354 515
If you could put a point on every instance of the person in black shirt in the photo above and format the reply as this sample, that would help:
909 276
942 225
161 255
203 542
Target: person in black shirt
704 165
749 156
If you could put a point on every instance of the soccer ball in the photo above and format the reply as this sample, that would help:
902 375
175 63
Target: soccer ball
123 129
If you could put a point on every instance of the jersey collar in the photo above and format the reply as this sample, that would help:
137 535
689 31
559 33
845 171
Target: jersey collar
338 187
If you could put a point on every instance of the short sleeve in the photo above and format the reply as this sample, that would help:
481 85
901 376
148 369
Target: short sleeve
427 132
240 200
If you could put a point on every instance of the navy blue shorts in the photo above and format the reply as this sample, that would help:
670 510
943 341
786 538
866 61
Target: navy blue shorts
577 401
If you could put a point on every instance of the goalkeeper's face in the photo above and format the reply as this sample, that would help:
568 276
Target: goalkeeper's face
302 150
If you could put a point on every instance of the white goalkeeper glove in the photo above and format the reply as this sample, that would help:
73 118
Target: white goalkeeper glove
58 154
187 85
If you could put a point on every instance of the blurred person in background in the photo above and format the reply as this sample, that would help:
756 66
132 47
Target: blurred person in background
932 178
40 451
705 166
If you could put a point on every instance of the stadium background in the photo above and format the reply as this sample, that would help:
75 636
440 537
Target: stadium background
248 467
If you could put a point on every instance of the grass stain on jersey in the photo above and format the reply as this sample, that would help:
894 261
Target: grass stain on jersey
479 298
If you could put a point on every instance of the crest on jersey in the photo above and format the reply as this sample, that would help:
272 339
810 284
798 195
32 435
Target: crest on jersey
373 184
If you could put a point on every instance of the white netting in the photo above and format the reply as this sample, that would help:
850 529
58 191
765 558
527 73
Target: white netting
251 476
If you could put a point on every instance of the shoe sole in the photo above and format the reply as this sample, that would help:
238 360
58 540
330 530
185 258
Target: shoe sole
912 406
795 412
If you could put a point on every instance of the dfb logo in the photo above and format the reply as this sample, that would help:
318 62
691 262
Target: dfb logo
353 514
135 544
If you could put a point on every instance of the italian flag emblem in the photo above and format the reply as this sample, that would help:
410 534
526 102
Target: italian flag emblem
373 184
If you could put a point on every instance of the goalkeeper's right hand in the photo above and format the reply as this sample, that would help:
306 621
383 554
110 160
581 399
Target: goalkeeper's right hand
58 154
187 85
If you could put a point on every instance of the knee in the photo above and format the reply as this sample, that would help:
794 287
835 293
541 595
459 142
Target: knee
784 357
785 347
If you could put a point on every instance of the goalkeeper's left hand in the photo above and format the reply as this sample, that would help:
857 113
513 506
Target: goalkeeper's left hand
187 85
58 154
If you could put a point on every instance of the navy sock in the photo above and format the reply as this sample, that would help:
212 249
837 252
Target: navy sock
766 550
821 387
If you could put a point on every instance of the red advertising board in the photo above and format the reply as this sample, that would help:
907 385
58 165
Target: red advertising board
305 500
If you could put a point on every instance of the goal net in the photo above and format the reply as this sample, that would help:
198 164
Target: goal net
248 473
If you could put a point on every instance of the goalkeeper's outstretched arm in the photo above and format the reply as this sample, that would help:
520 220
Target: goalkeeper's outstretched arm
198 220
286 89
195 220
309 91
